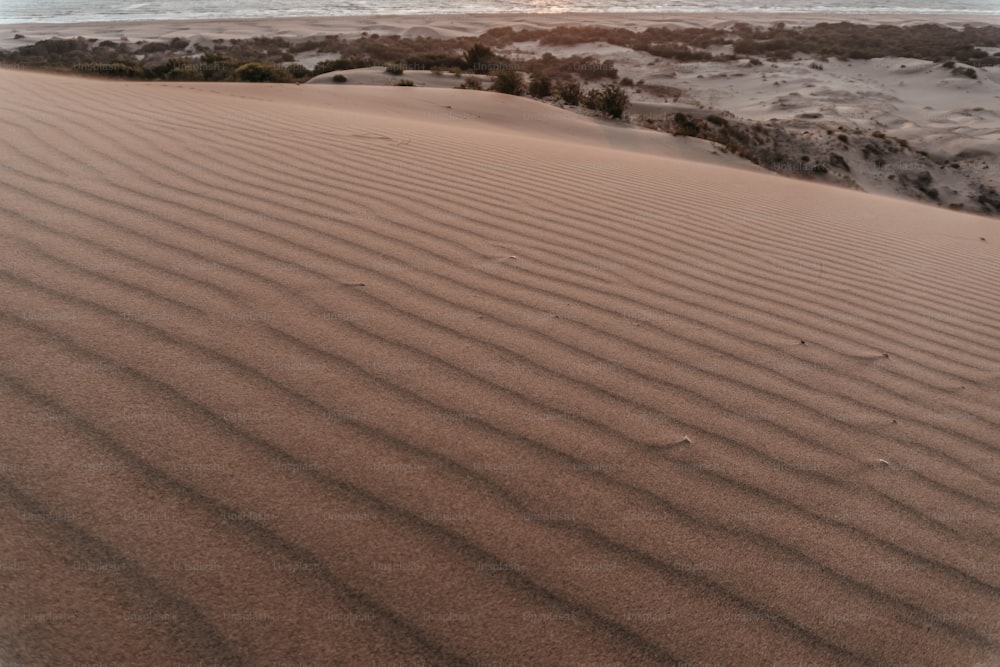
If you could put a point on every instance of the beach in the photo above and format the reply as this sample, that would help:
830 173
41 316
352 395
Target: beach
381 375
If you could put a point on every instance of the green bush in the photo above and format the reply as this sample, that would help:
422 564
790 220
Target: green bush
395 69
569 92
612 100
298 71
471 83
403 82
262 72
339 78
478 55
325 66
509 82
684 126
540 86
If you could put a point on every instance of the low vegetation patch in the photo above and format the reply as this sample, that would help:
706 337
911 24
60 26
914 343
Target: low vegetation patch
540 86
179 59
569 92
509 82
260 72
471 83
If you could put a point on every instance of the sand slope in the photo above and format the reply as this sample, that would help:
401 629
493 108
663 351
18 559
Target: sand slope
288 377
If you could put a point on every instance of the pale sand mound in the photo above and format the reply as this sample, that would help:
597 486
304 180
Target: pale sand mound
290 378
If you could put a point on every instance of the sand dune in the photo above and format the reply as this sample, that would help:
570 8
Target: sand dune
294 376
895 126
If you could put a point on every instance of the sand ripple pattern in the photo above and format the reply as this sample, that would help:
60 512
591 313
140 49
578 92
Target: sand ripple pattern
288 378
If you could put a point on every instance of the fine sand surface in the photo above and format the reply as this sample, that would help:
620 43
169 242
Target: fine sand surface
367 375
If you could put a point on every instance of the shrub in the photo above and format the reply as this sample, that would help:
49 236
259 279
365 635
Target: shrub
540 86
403 82
341 63
339 78
839 162
185 74
298 71
395 69
477 55
627 81
870 149
508 81
685 126
214 57
569 92
261 72
612 101
471 83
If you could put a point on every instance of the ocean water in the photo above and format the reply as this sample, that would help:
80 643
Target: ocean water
71 11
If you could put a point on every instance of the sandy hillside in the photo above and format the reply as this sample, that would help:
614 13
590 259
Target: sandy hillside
897 126
291 378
